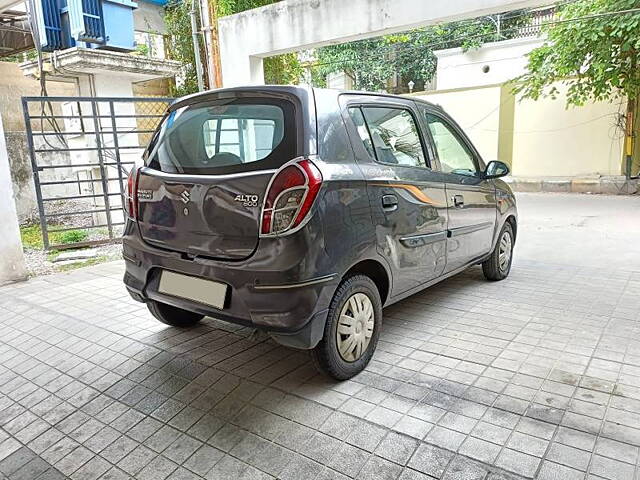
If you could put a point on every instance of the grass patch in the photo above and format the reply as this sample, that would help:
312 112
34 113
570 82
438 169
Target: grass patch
32 237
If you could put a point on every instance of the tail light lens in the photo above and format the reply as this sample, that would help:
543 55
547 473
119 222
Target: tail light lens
290 196
131 194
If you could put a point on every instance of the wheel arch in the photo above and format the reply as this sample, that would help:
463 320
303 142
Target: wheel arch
511 219
377 272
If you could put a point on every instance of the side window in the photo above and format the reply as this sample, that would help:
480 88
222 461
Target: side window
395 136
361 127
454 155
390 135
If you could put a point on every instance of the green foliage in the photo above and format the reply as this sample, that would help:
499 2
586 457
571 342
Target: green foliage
73 236
596 58
142 50
229 7
21 57
282 69
180 44
372 62
32 237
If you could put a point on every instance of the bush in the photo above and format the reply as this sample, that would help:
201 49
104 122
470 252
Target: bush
72 236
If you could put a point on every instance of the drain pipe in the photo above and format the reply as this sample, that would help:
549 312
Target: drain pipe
196 46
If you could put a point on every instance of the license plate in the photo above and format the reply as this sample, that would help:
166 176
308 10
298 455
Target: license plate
199 290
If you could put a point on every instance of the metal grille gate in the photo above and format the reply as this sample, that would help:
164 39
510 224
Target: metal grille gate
81 150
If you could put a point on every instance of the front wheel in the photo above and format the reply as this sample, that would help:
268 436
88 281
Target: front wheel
174 316
498 265
352 329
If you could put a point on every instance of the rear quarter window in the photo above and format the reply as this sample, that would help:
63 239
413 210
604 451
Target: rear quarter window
225 136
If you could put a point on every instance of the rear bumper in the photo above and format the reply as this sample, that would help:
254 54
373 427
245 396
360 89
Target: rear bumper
292 311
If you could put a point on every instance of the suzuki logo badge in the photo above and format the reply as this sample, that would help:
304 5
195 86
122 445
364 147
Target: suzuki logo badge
185 197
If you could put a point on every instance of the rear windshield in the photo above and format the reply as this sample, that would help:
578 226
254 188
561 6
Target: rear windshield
225 136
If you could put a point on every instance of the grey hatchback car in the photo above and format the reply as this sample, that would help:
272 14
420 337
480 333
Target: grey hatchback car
302 212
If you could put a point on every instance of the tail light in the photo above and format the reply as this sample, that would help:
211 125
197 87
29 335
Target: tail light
290 196
131 194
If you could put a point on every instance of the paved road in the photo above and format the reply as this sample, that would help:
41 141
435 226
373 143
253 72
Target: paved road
536 376
597 231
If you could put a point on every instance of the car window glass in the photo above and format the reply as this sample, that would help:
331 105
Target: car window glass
394 136
453 154
358 120
225 135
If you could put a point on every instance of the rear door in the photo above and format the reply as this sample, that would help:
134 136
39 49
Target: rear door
471 200
407 198
202 188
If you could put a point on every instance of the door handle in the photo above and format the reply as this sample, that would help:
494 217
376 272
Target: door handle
389 202
458 201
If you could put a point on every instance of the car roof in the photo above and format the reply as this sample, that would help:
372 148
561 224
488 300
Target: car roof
380 94
297 90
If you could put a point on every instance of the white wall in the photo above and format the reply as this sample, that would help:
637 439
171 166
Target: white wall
12 265
505 60
553 141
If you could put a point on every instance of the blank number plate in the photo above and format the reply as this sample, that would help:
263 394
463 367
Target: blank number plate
192 288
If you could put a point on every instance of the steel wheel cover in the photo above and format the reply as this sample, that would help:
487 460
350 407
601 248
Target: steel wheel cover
355 327
504 254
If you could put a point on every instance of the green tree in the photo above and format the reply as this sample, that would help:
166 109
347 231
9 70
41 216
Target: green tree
180 45
371 63
593 54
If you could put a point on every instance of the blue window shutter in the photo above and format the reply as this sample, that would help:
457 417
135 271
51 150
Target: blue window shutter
49 29
85 20
76 21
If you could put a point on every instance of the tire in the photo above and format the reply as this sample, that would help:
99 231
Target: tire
498 265
356 293
174 316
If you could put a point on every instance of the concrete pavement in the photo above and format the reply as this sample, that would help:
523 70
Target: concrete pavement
536 376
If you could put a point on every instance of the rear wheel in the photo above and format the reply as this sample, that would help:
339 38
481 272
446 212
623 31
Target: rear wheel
174 316
352 329
498 265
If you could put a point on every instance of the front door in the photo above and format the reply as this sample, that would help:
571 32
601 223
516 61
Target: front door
407 197
471 200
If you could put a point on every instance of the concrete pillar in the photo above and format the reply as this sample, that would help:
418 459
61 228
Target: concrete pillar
12 266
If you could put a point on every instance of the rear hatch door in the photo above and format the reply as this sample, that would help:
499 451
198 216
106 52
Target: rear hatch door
207 170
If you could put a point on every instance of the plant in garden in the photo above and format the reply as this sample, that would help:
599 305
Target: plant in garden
595 56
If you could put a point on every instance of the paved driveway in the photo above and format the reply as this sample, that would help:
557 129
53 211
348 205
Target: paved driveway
536 376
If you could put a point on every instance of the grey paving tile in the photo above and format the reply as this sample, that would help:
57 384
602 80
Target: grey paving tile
301 467
464 468
555 471
518 462
430 460
397 448
569 456
203 459
378 468
480 449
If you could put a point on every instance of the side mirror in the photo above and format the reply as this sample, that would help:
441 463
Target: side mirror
496 169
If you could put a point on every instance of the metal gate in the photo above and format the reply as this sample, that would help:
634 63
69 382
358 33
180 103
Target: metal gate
81 151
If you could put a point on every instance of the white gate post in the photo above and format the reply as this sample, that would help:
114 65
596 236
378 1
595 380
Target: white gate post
12 266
